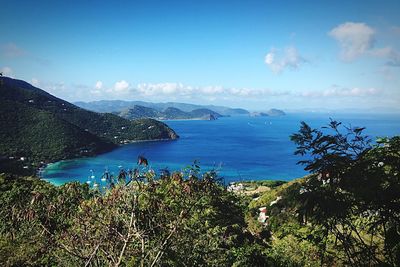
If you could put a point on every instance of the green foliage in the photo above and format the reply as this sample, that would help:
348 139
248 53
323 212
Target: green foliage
29 206
180 219
290 251
354 194
40 136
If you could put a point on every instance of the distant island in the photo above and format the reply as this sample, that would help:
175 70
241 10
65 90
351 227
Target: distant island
118 106
38 127
170 113
170 110
272 112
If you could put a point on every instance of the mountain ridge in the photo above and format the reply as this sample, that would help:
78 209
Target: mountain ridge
170 113
120 105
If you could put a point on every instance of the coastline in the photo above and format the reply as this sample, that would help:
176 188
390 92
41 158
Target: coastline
149 140
45 165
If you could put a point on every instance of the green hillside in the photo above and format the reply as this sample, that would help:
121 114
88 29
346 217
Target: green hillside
41 127
139 112
175 113
169 113
40 135
201 112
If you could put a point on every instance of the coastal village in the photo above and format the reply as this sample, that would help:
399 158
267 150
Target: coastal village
254 190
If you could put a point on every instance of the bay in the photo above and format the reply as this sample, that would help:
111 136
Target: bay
239 148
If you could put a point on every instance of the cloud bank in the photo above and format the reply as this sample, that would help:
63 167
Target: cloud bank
173 91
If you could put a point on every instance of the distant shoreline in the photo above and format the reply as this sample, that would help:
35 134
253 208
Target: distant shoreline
45 165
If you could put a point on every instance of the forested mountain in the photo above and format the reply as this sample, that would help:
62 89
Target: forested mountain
40 127
138 112
120 105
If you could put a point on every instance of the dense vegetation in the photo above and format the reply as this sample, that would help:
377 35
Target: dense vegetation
40 135
40 127
179 219
345 213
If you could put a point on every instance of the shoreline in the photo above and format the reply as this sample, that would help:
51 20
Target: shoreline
149 140
45 165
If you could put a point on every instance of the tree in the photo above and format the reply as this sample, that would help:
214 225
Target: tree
185 219
354 192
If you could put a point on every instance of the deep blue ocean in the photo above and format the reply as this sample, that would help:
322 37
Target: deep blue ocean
239 148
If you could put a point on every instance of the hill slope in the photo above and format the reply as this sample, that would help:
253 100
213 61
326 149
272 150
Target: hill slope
169 113
139 112
41 127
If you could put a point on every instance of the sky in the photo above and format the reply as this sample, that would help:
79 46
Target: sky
250 54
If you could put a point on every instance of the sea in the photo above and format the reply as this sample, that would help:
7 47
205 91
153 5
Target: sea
238 148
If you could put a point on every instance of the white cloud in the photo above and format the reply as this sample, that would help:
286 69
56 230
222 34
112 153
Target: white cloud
121 86
164 92
358 39
289 58
212 90
154 89
7 71
98 85
180 90
248 92
355 39
269 58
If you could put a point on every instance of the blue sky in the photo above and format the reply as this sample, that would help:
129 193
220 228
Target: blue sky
251 54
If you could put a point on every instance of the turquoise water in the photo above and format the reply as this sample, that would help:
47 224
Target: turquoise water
240 148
